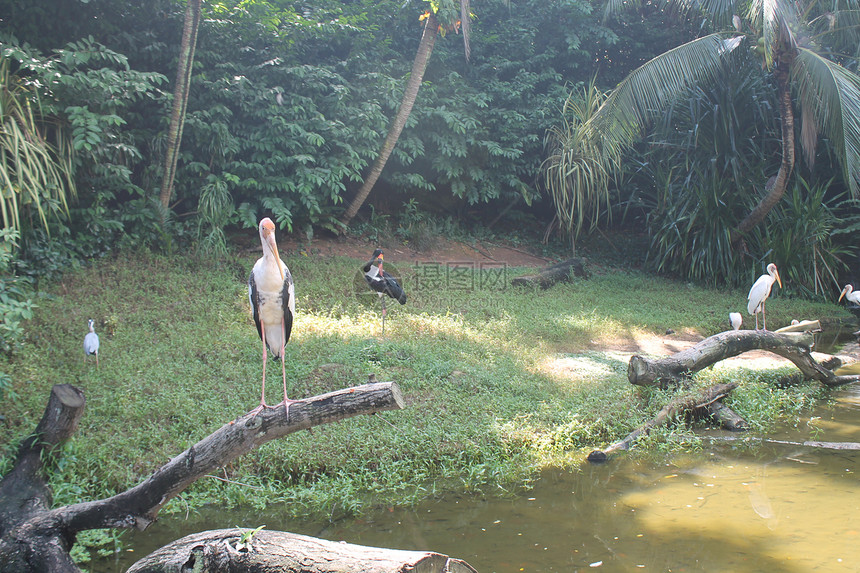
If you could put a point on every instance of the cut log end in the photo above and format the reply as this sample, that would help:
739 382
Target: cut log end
597 457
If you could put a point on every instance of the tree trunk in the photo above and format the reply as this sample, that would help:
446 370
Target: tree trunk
224 551
180 98
679 367
776 188
548 276
419 65
669 412
37 539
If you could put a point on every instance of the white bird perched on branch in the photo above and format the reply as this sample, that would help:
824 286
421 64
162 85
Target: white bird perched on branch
273 303
850 294
91 341
759 293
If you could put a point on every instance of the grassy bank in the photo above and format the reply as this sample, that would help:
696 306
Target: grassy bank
498 381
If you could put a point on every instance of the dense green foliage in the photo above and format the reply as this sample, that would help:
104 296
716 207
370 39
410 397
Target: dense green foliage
289 104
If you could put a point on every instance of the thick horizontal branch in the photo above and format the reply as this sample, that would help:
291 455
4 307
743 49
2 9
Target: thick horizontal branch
228 550
677 368
139 506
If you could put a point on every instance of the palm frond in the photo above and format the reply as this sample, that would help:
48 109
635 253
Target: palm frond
832 94
641 97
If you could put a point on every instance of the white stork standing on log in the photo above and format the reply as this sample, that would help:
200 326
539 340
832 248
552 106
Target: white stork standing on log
759 293
850 294
91 341
273 304
382 282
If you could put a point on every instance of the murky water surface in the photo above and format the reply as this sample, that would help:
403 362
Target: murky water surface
780 509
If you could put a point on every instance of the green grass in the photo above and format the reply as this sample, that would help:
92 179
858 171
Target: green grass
498 381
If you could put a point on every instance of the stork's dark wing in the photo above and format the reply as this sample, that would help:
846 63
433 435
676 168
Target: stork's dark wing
254 299
288 301
393 288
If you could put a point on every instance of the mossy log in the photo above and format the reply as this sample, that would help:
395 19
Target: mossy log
548 276
670 411
228 550
678 368
36 539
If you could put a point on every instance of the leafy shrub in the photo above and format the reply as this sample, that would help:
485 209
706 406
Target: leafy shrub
803 236
15 303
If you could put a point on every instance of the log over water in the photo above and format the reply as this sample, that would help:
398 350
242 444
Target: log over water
229 550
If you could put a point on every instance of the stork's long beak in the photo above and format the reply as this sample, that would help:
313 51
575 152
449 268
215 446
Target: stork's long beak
269 237
777 278
842 295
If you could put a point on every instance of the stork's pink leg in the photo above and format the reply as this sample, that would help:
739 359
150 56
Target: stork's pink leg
287 401
265 358
763 317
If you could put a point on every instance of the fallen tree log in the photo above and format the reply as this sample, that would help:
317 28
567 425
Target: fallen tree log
838 446
678 368
726 417
36 539
669 412
548 276
228 550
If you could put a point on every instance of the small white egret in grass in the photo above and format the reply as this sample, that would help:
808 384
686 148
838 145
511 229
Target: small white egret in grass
382 282
736 320
273 303
91 341
759 293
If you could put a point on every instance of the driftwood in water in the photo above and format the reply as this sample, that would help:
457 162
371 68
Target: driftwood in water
225 551
35 538
670 411
548 276
838 446
802 326
677 368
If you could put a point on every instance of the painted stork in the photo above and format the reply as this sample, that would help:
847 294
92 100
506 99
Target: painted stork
382 282
759 293
273 303
850 294
91 341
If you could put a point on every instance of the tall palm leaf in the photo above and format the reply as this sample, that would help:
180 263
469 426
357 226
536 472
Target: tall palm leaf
832 94
644 94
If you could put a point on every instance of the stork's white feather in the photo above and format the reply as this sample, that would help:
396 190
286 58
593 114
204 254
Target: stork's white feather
736 320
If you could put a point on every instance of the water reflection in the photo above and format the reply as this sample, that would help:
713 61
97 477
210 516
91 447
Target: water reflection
783 509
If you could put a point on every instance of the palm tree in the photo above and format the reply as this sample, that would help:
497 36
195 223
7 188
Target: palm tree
793 40
180 98
440 11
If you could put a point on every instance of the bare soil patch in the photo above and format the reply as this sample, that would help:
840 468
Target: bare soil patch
445 250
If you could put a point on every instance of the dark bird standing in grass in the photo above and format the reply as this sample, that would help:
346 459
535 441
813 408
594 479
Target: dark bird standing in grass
382 282
91 341
273 303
